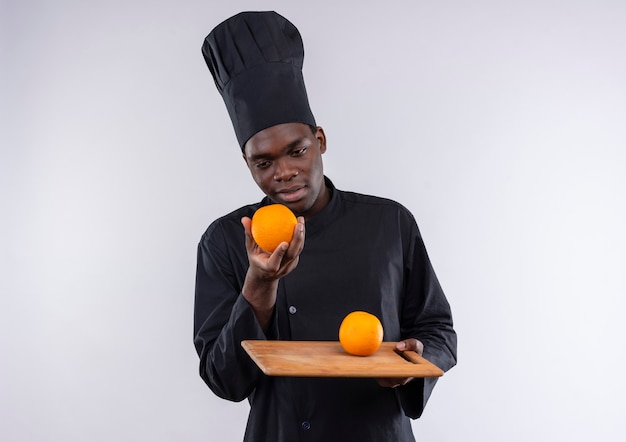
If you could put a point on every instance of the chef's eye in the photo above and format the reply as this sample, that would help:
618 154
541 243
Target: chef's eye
300 151
262 164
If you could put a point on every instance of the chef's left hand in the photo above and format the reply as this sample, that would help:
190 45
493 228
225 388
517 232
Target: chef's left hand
406 345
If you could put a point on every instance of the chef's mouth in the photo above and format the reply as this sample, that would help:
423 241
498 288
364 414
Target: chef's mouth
290 195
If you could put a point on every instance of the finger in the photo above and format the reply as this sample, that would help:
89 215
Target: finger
384 382
250 243
392 382
403 345
296 245
410 344
247 223
275 260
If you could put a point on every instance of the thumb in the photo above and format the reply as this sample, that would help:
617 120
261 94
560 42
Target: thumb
277 256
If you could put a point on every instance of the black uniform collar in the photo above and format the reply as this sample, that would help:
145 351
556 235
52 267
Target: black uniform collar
328 214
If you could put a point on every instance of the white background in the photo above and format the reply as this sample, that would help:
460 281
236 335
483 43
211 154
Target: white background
500 124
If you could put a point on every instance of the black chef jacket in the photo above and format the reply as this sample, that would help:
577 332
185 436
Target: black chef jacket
360 253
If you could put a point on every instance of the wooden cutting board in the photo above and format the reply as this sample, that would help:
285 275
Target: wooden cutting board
328 359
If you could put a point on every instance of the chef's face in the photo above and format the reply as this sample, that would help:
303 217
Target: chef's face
286 163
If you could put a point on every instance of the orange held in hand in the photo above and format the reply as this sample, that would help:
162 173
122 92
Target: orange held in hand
360 333
272 225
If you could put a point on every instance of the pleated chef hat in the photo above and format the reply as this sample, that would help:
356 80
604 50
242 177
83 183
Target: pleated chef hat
256 61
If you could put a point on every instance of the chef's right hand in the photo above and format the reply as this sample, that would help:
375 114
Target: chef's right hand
265 269
273 266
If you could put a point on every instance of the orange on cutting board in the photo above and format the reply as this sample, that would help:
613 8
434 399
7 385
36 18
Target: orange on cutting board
272 225
360 333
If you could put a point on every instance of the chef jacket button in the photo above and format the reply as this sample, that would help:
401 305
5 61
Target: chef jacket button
306 425
293 311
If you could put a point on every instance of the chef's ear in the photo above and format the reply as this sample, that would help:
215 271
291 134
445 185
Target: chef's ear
321 137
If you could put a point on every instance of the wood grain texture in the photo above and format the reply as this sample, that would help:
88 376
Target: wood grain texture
328 359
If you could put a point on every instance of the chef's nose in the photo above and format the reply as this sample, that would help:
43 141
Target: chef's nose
284 170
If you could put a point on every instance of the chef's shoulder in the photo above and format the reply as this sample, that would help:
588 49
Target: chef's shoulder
230 224
376 205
